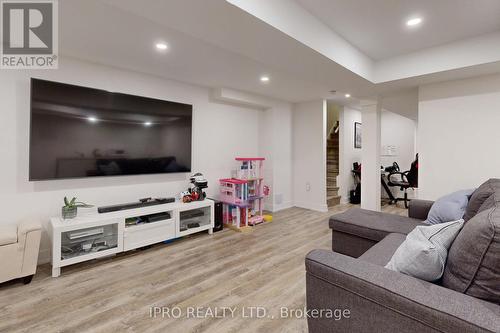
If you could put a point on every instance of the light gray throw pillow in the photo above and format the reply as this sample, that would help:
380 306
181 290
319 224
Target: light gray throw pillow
423 253
449 208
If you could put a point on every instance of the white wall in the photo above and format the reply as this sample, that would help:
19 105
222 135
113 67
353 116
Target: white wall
458 135
371 111
332 115
220 132
347 153
395 130
399 132
279 140
309 155
275 143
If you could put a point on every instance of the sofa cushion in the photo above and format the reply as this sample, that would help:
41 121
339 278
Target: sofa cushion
480 195
473 265
372 225
8 234
449 208
381 253
488 204
423 253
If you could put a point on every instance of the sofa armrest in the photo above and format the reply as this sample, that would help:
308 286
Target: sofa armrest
26 226
419 209
29 233
381 300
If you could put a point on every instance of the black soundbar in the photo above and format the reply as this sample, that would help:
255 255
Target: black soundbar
140 204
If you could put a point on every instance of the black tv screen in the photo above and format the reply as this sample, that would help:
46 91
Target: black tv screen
81 132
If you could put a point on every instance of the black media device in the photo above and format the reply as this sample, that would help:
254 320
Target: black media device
156 217
142 203
218 225
79 132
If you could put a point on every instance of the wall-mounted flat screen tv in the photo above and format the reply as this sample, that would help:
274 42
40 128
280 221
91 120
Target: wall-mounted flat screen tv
79 132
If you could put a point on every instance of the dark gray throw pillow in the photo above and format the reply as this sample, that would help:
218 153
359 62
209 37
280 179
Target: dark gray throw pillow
479 196
473 265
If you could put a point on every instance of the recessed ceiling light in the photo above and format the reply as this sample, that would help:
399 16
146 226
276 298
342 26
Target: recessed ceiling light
148 123
347 95
414 21
264 78
161 46
92 119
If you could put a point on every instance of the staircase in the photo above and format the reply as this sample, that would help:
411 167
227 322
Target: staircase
332 169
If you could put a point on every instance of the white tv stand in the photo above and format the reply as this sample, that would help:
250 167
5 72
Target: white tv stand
93 235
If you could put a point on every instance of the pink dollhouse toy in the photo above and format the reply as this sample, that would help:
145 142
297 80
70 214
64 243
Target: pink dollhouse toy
242 194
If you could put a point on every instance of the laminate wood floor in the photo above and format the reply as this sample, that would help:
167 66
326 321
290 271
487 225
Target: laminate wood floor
264 268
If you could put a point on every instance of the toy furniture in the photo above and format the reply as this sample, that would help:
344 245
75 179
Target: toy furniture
242 195
19 245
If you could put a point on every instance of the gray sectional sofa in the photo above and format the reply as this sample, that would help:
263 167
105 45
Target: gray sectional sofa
352 277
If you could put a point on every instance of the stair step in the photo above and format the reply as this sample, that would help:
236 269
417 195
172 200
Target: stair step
333 200
332 168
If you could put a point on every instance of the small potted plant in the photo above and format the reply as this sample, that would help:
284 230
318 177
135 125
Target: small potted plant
70 208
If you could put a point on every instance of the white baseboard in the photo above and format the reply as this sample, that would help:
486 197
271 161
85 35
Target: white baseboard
283 206
277 208
312 206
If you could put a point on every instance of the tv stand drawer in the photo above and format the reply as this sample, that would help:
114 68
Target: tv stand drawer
147 234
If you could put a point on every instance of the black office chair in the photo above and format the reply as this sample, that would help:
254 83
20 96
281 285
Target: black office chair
403 180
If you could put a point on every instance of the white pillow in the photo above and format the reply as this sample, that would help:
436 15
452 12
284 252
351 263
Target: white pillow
423 253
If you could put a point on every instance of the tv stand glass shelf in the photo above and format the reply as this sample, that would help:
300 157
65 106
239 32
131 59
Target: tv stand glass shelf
93 235
191 221
89 240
